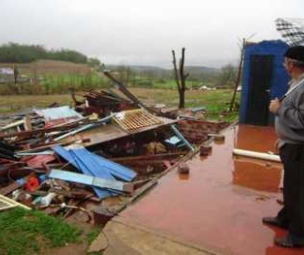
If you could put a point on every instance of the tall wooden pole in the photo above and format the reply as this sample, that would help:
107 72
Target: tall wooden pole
239 75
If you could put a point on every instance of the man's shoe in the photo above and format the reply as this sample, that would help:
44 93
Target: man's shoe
274 221
290 241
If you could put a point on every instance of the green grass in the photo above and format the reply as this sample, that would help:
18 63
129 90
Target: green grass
62 83
16 103
92 235
217 102
170 84
28 232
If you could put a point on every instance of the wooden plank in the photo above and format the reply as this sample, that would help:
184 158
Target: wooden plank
144 162
5 206
110 132
147 157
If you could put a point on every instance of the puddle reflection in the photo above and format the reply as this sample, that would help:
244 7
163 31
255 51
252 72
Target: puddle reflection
183 177
256 174
260 176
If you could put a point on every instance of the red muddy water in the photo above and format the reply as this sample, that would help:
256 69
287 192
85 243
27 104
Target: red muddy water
220 204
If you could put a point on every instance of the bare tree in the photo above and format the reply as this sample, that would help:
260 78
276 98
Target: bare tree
180 78
227 76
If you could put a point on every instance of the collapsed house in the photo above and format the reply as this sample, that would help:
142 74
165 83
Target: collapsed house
63 160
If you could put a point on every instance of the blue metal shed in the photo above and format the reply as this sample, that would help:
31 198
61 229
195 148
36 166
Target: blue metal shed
264 78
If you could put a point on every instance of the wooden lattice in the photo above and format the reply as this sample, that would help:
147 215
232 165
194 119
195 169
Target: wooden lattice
136 119
7 203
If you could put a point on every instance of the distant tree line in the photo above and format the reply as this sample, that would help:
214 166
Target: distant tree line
21 53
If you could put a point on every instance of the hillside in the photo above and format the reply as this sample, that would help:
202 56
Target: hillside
43 67
158 72
201 69
139 68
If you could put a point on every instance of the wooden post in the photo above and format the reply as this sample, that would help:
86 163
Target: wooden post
237 82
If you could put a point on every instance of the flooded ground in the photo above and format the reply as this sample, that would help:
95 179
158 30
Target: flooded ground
218 207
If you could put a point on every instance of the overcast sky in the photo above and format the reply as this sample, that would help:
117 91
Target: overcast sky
144 32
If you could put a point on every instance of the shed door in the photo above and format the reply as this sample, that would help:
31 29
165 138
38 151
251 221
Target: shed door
259 90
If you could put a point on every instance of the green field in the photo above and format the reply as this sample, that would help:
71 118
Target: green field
216 102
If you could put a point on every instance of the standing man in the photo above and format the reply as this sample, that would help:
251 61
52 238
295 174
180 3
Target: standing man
289 125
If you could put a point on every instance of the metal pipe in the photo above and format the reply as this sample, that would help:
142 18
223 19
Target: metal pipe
259 155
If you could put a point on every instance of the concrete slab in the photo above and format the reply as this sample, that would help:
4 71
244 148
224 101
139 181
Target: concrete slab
217 208
133 240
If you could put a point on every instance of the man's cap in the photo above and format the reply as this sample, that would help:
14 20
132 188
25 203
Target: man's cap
295 53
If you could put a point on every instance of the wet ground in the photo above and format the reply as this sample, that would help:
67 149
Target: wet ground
219 206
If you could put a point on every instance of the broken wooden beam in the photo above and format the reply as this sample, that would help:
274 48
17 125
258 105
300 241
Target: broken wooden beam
148 157
144 162
85 127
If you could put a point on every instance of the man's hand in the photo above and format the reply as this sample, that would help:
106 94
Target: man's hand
274 105
276 147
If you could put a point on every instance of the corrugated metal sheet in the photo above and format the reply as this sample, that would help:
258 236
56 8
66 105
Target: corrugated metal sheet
72 160
86 179
96 166
88 165
58 113
115 169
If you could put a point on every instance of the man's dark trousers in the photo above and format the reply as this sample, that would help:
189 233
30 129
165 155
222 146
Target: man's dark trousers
292 156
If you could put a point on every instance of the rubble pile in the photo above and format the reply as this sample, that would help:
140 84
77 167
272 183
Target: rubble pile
64 160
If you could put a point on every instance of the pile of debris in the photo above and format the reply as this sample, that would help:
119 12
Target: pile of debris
63 160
